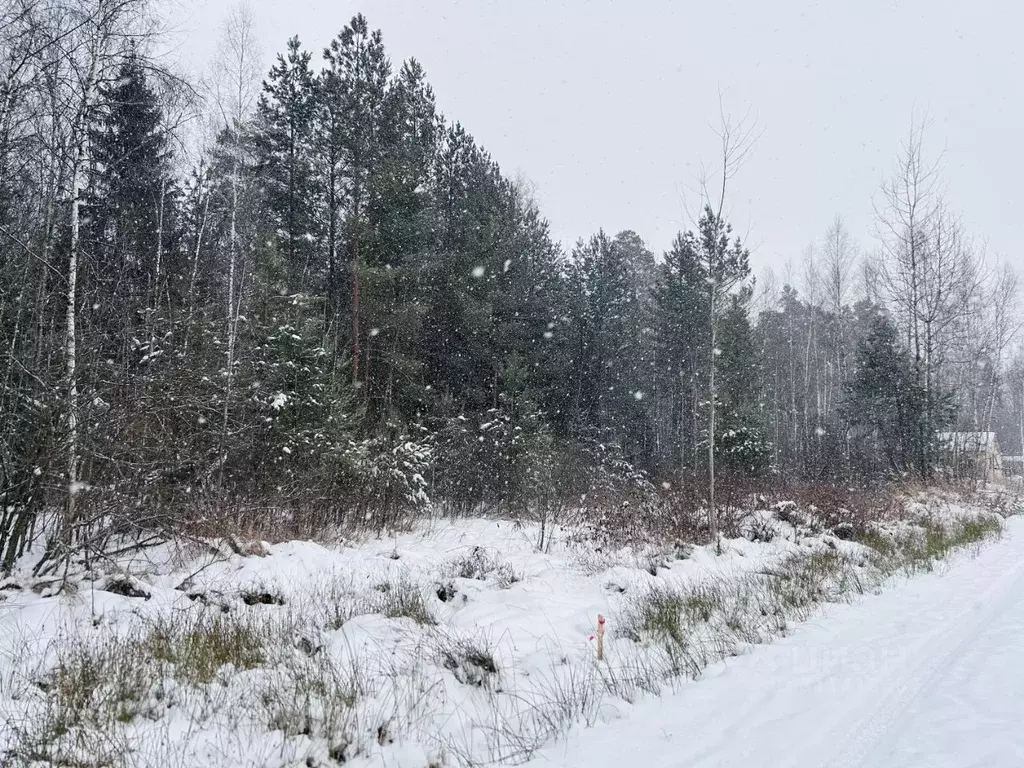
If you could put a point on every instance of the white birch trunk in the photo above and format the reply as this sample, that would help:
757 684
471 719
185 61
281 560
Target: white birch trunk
73 457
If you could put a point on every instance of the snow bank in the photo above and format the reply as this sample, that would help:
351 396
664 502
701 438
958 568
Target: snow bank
456 644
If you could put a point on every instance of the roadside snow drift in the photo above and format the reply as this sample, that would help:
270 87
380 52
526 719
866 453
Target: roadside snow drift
456 644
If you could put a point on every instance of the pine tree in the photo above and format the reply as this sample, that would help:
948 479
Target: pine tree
609 282
460 278
529 325
695 291
284 145
397 248
683 334
356 85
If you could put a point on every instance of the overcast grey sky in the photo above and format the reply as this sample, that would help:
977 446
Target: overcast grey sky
607 106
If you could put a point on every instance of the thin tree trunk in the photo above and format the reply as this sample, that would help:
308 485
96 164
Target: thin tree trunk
711 421
195 270
355 299
151 319
333 294
232 326
73 457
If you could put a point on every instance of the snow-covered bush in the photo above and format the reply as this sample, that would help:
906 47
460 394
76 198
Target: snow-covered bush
387 477
480 564
497 460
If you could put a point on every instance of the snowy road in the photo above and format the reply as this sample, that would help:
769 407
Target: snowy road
929 674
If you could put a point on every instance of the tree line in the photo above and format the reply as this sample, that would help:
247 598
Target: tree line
308 288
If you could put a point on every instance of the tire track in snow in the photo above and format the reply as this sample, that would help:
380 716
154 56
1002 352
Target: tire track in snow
883 707
876 684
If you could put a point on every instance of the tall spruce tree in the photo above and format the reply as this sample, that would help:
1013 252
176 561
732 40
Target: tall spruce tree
130 213
743 446
885 405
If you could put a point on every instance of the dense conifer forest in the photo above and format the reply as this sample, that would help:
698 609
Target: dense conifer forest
307 294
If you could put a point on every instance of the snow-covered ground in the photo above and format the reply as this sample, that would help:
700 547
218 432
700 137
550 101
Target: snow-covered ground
927 674
462 644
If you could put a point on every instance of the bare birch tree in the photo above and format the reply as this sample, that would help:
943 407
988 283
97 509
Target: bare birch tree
839 257
931 271
234 88
1004 327
54 59
106 27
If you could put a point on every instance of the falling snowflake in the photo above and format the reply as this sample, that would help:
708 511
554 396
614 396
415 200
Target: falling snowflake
548 335
279 401
478 271
638 395
374 331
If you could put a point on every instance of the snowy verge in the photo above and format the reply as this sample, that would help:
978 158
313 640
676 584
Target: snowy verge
457 644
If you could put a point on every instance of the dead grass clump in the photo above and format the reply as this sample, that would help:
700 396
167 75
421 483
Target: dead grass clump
481 565
199 644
